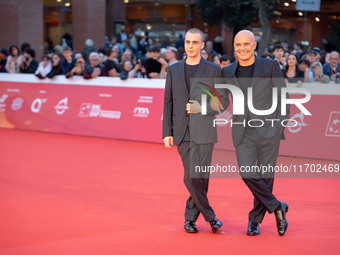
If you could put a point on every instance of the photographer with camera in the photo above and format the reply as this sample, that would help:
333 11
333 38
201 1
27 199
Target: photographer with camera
28 62
94 69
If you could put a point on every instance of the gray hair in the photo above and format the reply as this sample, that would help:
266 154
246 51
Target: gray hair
316 65
335 52
94 54
173 49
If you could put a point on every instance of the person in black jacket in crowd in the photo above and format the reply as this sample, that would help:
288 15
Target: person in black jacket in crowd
3 60
56 68
68 62
94 69
28 63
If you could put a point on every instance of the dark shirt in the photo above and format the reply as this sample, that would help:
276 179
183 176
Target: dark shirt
299 76
86 52
67 67
190 71
31 68
56 70
244 75
3 65
152 66
108 66
89 70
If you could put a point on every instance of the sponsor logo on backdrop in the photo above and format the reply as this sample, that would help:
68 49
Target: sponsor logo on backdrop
13 90
17 103
105 95
84 110
2 101
299 118
37 103
145 99
141 112
333 126
3 98
61 107
94 110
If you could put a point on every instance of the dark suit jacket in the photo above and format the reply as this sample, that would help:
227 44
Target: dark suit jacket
267 75
176 96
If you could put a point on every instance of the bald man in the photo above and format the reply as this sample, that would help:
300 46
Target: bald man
257 144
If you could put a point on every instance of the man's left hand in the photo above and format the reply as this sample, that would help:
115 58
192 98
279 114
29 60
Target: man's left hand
193 107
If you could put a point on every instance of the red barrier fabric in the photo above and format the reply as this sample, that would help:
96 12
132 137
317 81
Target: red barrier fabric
132 110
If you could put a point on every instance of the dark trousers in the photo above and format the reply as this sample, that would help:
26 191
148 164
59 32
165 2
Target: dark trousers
197 183
256 150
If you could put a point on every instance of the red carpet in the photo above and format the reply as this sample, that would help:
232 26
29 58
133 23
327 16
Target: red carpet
62 194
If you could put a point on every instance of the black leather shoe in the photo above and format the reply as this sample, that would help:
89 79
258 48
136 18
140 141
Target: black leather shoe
215 225
281 221
190 226
253 229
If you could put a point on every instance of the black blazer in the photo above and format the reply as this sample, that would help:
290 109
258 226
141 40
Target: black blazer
176 96
267 75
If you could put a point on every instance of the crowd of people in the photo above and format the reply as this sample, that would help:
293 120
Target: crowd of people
126 57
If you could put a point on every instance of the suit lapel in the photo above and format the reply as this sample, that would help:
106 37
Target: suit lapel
198 74
257 71
233 74
181 77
